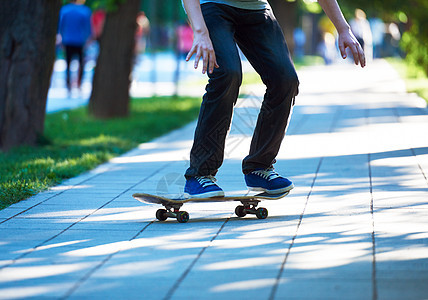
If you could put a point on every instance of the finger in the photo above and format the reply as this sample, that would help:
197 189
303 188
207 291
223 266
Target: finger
205 60
190 54
362 57
355 53
212 62
342 49
197 58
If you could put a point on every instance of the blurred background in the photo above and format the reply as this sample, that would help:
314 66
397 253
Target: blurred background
122 49
163 38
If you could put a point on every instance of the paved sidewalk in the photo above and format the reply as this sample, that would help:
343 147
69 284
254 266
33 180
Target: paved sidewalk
355 226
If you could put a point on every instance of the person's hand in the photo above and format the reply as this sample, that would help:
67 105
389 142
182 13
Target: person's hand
348 40
203 48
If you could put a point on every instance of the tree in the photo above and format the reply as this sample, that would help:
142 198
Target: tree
110 89
27 54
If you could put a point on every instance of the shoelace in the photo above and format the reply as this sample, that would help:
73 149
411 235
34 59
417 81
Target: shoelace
268 174
205 181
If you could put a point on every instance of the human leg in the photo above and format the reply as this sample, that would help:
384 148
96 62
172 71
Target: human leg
263 43
221 93
217 106
68 58
79 52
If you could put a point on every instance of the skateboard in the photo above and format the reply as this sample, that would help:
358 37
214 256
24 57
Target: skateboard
172 206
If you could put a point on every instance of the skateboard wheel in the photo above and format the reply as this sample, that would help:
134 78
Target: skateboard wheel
161 214
261 213
240 211
182 216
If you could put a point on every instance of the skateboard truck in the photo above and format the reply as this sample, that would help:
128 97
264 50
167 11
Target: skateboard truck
172 211
249 207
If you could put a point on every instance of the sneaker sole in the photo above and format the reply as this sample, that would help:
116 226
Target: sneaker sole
205 195
272 192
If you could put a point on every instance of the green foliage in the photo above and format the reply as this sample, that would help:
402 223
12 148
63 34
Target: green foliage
112 5
108 5
164 12
417 48
74 143
311 6
414 76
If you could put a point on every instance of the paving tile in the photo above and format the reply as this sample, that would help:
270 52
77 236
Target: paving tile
324 288
17 242
241 284
415 288
36 223
10 212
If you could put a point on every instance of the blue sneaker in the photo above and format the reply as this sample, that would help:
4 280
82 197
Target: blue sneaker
267 180
202 187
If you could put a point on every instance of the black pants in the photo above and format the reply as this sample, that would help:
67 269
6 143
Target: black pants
70 52
261 40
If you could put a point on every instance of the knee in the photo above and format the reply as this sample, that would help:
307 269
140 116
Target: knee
284 82
234 76
228 77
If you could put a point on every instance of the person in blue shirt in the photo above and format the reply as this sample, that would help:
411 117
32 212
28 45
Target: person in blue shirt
219 26
75 30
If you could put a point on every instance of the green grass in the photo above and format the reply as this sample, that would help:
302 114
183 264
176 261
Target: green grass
415 78
308 60
73 143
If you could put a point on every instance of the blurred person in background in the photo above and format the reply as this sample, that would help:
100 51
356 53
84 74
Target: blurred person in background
378 33
98 20
393 39
327 48
74 31
184 35
299 42
361 28
142 33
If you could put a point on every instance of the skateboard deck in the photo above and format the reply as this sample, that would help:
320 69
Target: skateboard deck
172 206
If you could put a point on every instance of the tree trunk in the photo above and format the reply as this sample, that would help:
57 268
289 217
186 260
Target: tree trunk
27 55
110 89
286 14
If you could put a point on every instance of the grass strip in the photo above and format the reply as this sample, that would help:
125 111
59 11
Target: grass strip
74 142
415 78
